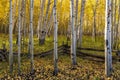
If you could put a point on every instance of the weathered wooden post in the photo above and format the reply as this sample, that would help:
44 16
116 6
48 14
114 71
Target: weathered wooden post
108 50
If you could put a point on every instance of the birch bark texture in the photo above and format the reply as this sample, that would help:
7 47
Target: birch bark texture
19 35
23 23
44 30
79 34
76 14
50 24
14 18
41 18
31 35
10 39
55 39
73 46
108 50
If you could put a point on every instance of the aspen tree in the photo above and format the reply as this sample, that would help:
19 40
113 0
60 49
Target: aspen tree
19 36
50 23
76 14
10 39
79 34
31 35
14 18
76 18
41 18
108 50
43 34
55 39
73 46
23 22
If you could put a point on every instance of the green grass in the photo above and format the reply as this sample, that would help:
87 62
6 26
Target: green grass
37 49
86 69
88 42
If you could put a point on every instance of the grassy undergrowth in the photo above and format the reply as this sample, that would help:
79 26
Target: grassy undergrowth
85 70
37 48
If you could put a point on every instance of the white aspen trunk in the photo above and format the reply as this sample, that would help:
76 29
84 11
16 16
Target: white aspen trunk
38 26
55 39
114 23
44 30
112 20
23 23
50 22
80 32
76 12
19 37
69 28
10 39
94 21
14 18
46 17
28 30
75 45
76 17
108 50
31 35
41 17
73 52
22 16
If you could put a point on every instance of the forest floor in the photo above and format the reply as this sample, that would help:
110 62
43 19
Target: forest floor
88 67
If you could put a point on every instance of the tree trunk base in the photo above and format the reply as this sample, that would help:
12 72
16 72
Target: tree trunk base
74 66
41 41
32 72
55 72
